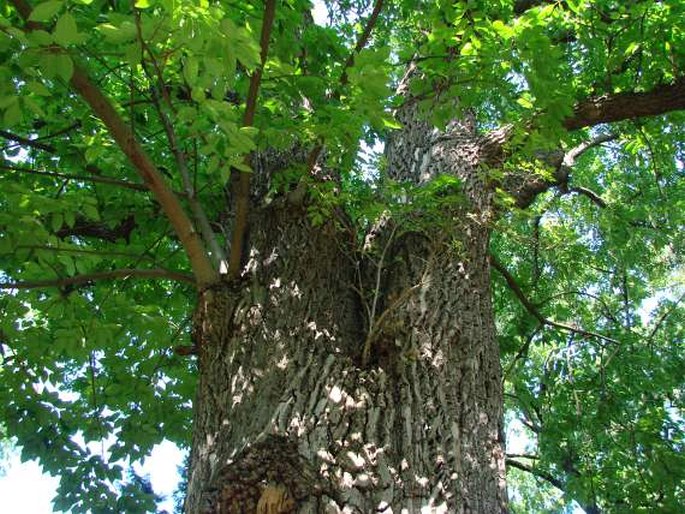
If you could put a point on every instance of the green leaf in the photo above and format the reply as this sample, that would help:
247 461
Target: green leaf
56 221
142 4
38 88
45 11
65 66
13 114
66 31
122 33
391 123
191 67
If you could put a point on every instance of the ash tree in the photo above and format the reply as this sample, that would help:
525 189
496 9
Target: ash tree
333 258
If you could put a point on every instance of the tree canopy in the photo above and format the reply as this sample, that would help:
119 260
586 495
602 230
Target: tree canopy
123 122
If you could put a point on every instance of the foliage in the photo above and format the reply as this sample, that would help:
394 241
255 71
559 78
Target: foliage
91 382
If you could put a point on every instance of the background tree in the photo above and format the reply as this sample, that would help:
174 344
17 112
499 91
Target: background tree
162 158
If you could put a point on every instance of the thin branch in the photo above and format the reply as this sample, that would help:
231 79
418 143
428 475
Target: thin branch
243 194
65 130
157 273
522 456
84 251
24 141
536 472
85 178
362 40
589 193
126 140
198 212
533 311
663 317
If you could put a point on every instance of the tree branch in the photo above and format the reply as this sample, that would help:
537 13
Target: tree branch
362 40
610 108
85 178
122 134
85 251
525 192
536 472
104 275
85 228
594 197
243 195
533 311
198 212
126 140
662 318
24 141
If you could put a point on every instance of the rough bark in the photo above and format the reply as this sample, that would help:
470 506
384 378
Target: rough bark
289 415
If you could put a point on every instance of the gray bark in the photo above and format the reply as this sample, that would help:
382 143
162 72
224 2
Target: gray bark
292 416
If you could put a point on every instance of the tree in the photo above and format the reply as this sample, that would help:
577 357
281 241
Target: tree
187 215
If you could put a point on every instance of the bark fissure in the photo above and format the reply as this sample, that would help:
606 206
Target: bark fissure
415 426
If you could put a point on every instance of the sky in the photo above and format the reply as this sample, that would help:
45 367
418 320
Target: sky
25 489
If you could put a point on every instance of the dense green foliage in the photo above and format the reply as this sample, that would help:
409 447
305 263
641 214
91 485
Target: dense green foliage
90 379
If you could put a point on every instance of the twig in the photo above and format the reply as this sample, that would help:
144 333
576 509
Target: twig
379 272
102 275
663 317
513 285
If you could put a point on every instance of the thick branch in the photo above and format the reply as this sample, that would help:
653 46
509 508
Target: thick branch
125 138
610 108
243 196
526 189
122 134
533 311
104 275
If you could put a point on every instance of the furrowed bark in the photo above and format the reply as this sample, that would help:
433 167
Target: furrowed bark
288 409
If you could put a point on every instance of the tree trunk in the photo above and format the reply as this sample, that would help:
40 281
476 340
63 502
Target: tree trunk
294 415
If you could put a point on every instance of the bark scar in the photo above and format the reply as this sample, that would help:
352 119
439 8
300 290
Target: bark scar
275 499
